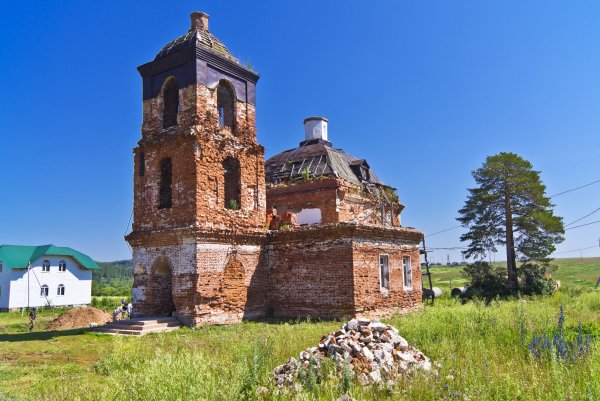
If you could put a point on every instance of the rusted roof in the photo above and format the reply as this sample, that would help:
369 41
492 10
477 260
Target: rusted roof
319 159
203 38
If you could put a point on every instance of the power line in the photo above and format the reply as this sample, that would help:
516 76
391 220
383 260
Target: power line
575 189
575 250
583 225
443 231
587 215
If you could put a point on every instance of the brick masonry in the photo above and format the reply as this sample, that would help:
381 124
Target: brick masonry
211 263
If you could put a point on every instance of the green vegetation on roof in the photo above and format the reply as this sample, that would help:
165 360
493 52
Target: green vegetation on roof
19 256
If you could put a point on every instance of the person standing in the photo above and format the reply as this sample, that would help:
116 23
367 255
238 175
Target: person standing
32 317
129 310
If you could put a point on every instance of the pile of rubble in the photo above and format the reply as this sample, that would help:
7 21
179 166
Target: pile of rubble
368 349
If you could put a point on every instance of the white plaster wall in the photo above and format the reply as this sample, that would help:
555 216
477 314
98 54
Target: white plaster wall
77 282
182 259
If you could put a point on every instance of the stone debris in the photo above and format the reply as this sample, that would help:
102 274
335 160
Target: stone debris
368 349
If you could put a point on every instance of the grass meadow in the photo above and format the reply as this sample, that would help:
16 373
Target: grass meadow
482 353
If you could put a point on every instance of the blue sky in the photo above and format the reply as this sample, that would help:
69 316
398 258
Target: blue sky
423 90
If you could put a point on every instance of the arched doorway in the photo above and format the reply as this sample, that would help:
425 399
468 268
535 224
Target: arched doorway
161 294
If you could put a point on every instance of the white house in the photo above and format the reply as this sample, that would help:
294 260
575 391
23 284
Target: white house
44 275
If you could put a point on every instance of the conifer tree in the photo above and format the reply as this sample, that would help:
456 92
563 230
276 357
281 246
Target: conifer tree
509 207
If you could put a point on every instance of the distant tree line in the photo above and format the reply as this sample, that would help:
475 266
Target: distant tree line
113 279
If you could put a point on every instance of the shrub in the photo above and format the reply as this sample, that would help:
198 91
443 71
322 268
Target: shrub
488 282
533 281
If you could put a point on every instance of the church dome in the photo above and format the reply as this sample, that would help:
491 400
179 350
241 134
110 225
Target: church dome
197 35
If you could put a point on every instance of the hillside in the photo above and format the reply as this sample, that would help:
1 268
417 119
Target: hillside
113 278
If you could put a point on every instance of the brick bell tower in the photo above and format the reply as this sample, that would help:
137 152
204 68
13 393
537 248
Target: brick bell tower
199 188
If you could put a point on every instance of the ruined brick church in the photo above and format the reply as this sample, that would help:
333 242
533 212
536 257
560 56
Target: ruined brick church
220 235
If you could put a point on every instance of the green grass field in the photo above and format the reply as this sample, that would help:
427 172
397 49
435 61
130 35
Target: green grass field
482 352
574 274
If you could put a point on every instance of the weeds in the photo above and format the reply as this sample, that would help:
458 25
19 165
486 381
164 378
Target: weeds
556 345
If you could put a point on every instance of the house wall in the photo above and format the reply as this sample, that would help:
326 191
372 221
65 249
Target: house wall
5 276
370 298
77 282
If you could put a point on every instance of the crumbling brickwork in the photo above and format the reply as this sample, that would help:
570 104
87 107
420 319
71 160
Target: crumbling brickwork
200 239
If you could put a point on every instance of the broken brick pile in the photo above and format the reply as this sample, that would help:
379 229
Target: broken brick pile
367 348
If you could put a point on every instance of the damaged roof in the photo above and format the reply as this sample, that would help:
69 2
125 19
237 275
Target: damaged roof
320 159
193 37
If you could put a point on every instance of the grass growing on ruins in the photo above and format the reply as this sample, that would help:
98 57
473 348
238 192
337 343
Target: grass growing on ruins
483 352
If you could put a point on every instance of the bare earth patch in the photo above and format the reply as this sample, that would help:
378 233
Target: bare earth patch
80 317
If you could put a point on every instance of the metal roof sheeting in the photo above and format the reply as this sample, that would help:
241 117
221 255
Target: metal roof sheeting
19 256
319 159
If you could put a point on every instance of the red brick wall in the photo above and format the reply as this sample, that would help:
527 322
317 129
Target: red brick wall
369 297
339 201
311 277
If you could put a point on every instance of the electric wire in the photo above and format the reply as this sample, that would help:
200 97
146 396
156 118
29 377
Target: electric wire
587 215
575 189
583 225
443 231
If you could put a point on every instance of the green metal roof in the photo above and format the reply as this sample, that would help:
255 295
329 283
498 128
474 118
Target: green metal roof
19 256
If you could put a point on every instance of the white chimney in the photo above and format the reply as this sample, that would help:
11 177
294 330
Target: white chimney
315 128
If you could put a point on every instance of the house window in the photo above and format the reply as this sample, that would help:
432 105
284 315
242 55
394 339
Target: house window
44 291
60 290
384 272
226 105
1 267
0 291
407 271
231 173
62 266
46 266
165 199
170 102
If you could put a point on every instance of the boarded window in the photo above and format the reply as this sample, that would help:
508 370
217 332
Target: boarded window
384 272
231 173
226 105
170 102
407 271
165 199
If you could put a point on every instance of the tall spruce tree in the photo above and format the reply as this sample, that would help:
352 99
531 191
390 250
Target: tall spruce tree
509 207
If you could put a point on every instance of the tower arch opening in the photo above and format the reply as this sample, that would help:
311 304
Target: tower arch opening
232 183
170 94
226 105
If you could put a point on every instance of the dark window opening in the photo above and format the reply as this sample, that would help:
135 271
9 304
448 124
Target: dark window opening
226 105
142 162
165 189
170 102
231 172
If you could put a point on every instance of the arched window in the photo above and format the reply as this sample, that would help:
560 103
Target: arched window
44 291
231 173
1 266
62 266
170 102
46 266
165 199
0 291
226 105
60 290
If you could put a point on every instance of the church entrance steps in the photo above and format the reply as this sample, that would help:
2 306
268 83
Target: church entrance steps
141 325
